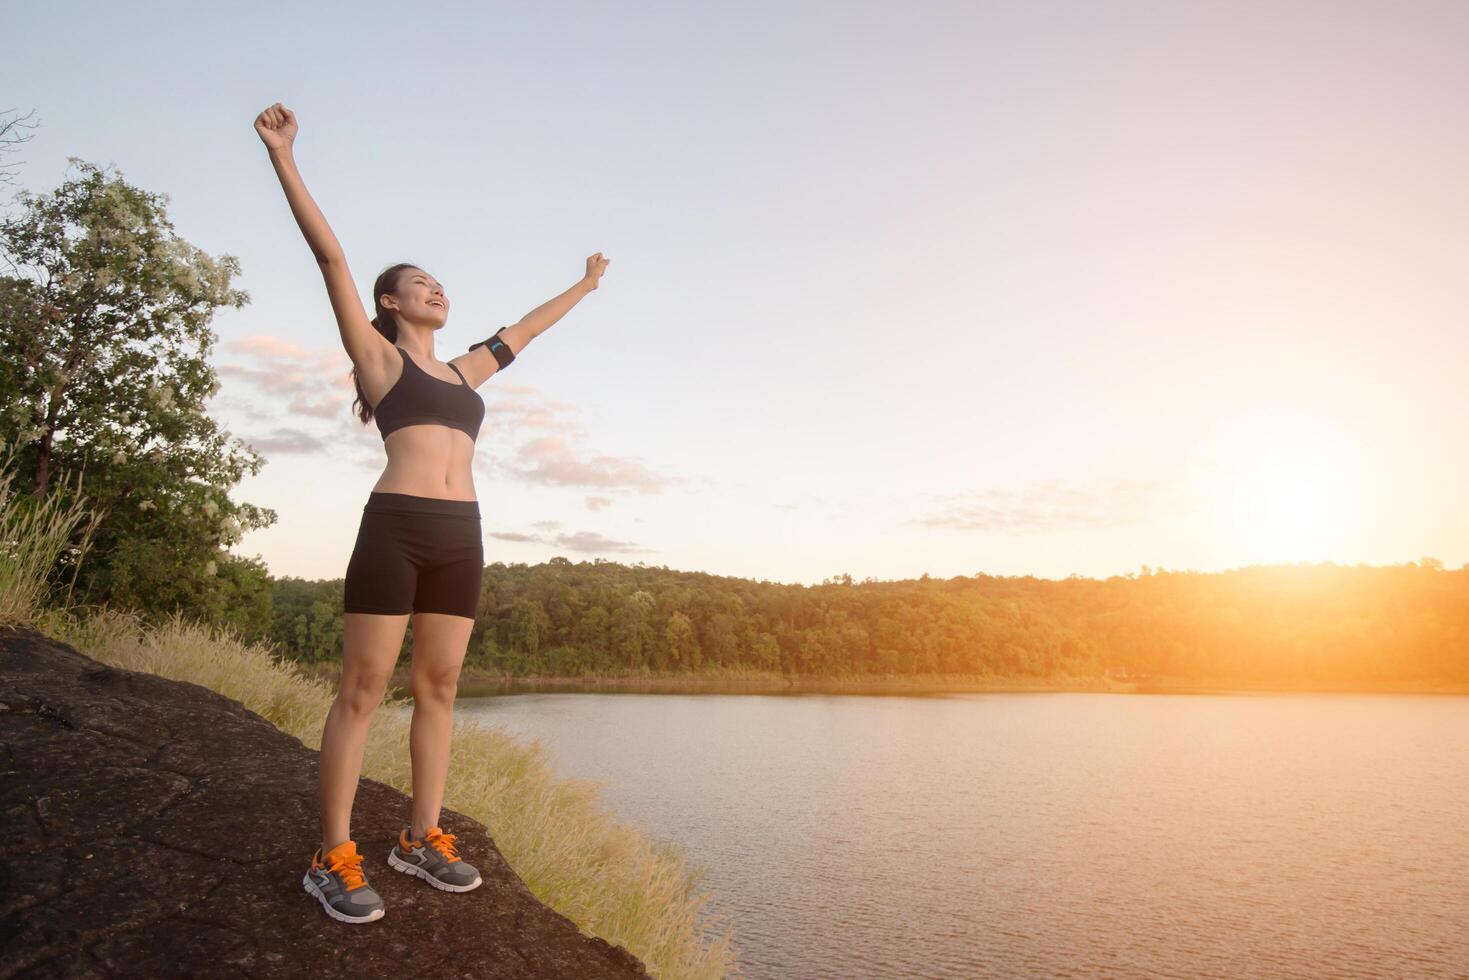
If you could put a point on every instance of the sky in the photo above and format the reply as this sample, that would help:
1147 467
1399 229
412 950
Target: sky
896 289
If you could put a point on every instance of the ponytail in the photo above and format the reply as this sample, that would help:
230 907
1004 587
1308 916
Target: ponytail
385 322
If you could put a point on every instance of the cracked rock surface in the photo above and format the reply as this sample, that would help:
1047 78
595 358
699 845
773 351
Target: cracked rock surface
155 828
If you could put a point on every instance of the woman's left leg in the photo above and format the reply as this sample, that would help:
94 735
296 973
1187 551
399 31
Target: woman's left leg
439 642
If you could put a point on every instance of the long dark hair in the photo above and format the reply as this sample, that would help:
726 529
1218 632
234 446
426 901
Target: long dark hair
386 323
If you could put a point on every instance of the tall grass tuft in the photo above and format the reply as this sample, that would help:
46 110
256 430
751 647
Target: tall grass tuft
33 535
608 877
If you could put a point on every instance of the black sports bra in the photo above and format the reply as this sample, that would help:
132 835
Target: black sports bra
419 398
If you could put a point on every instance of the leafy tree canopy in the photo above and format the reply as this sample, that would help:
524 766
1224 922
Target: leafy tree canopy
104 341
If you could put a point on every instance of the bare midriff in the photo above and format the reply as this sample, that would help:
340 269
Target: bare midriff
428 461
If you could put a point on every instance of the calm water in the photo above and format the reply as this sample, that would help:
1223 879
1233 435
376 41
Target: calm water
981 835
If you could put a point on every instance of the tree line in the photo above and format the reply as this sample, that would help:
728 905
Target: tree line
1301 623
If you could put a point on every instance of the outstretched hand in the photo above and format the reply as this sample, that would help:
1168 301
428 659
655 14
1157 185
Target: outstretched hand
277 127
596 265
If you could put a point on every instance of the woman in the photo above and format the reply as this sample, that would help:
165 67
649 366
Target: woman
418 551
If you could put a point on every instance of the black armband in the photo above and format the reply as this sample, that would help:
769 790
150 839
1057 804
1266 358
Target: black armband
503 354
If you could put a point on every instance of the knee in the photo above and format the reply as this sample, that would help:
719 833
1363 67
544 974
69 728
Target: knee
438 686
360 695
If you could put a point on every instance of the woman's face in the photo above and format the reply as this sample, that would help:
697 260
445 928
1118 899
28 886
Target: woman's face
421 298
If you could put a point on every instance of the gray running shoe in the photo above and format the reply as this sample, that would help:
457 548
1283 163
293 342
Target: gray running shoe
434 860
337 881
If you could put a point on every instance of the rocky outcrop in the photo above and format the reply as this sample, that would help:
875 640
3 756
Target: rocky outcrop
154 828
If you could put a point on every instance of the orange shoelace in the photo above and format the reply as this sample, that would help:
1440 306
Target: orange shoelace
350 868
441 842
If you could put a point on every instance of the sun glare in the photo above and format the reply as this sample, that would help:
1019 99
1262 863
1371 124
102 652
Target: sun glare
1291 515
1282 485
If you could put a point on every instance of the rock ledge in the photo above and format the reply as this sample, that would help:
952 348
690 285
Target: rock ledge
155 828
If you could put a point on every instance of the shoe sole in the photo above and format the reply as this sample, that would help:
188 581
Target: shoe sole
311 889
398 864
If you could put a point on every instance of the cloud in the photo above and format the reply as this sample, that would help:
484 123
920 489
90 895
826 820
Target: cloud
289 441
528 409
589 542
297 380
240 407
1048 506
552 460
514 536
282 366
598 503
556 455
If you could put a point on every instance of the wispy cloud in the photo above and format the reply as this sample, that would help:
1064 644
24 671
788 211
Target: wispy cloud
299 381
557 455
243 408
1048 506
527 408
592 542
515 536
554 460
588 542
598 503
283 441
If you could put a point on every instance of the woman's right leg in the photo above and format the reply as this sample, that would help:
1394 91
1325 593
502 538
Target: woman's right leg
377 601
370 646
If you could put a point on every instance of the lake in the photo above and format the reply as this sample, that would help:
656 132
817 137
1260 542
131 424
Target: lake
977 835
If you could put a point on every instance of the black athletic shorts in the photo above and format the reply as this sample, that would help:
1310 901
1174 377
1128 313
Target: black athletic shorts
416 554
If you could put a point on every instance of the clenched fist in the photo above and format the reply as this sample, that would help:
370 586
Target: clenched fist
277 127
596 265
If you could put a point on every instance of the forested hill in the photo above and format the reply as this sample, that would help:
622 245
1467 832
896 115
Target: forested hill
1285 623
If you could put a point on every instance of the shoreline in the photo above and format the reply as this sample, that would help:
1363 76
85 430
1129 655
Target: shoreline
480 682
476 686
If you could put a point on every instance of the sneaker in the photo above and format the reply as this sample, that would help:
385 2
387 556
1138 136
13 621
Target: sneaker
434 860
337 881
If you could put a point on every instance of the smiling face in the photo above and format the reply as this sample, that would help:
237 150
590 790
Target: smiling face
419 298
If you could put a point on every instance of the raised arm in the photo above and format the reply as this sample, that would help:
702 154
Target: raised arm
497 351
365 346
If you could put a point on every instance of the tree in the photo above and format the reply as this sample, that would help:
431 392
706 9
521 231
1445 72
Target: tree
719 641
10 138
104 337
680 647
529 625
